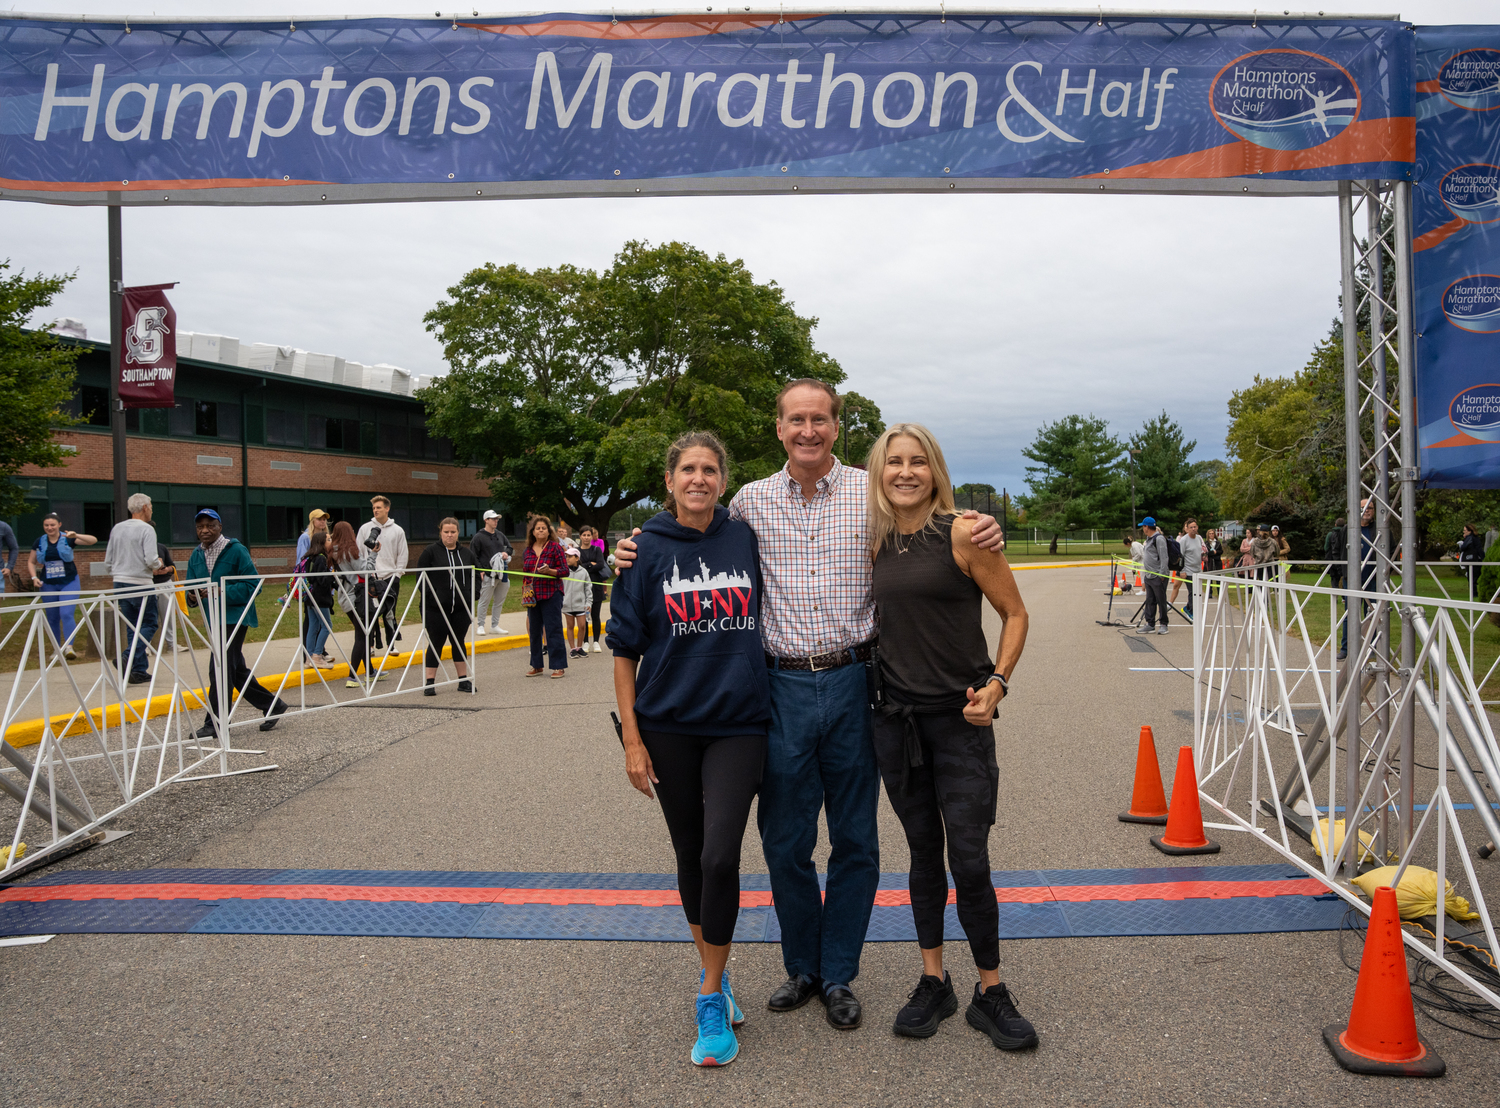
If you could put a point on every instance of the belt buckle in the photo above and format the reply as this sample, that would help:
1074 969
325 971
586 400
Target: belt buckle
812 663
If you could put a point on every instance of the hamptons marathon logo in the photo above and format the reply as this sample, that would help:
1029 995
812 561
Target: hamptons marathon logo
1476 412
1471 79
1285 99
1472 192
1473 303
708 602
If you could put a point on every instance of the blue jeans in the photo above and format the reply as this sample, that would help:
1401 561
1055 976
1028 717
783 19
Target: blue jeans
821 754
318 626
60 618
547 615
143 608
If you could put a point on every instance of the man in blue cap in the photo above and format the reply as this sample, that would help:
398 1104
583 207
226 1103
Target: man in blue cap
1155 572
217 557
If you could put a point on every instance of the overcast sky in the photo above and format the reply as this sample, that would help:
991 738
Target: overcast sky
981 316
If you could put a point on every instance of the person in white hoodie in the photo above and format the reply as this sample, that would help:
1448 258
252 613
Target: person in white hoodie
578 595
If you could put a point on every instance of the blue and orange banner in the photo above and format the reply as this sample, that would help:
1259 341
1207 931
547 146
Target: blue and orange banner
383 108
1456 256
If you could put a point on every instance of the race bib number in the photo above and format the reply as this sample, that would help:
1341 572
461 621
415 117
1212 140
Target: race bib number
56 571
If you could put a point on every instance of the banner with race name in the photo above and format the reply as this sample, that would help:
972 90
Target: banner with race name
384 108
148 357
1456 256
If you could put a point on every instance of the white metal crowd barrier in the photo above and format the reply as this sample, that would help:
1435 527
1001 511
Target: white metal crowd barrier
102 744
1288 736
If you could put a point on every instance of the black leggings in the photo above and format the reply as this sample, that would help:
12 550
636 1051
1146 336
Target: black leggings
705 786
438 623
598 603
954 786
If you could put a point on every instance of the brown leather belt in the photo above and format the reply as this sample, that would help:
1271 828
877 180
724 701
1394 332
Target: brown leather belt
831 660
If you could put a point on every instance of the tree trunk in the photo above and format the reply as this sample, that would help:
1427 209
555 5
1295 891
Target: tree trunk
1052 549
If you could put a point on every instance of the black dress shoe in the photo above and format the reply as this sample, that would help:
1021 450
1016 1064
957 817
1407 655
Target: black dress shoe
844 1012
207 732
795 993
271 716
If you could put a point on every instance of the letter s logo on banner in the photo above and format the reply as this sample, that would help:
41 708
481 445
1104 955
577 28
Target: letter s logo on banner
145 339
1476 412
1472 192
1473 303
1285 99
1471 79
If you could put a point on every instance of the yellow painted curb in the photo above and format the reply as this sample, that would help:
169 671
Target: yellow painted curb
1057 565
29 732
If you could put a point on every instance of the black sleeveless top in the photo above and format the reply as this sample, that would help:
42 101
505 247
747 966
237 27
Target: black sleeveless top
932 644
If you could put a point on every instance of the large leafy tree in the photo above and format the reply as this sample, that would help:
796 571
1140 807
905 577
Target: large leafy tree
1167 485
36 382
1070 482
568 385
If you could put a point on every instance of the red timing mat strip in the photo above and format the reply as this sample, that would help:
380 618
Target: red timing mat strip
650 898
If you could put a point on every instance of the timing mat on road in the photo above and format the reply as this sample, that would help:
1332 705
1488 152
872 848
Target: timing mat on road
638 907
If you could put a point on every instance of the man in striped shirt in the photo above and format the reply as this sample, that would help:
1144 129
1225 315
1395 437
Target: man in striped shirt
817 622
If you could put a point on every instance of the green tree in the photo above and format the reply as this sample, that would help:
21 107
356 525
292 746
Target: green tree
36 382
861 426
568 385
1167 485
1071 481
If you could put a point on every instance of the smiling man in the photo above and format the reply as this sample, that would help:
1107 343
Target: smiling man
817 626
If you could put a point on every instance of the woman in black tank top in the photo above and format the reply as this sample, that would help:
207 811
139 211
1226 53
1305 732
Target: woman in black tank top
933 734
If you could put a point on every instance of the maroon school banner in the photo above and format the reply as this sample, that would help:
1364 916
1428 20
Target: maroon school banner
148 359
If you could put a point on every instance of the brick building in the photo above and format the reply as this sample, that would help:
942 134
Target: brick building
262 449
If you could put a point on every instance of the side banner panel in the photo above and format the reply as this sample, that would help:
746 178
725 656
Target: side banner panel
389 104
148 362
1456 256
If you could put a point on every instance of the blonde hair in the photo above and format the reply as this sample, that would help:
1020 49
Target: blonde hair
882 516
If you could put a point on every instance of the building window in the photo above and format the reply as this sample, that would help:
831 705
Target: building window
182 421
285 428
206 419
395 439
368 441
93 406
153 421
283 524
98 518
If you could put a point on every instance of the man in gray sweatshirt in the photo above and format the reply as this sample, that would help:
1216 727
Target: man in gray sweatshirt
131 558
1154 572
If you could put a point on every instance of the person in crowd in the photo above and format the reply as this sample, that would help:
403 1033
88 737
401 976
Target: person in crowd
215 557
1246 559
1125 572
58 577
695 709
386 538
317 589
1471 549
130 558
578 590
819 627
1192 548
317 524
593 556
1283 546
1213 557
565 537
1367 567
541 594
447 596
353 563
1265 550
1491 537
934 739
1154 573
10 554
166 601
1336 553
491 552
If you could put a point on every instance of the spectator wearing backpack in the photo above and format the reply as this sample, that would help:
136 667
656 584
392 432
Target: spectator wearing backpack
492 552
1156 567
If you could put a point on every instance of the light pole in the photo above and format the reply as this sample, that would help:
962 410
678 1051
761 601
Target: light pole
1133 453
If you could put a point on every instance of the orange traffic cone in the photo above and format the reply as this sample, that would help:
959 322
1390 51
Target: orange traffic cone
1381 1035
1184 833
1138 583
1148 801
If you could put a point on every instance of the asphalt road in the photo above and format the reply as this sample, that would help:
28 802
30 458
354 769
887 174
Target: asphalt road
526 775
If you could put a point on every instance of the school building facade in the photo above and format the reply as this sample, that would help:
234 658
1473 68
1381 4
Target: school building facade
262 449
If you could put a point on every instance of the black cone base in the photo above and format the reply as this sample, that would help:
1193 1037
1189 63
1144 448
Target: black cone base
1208 848
1429 1065
1157 821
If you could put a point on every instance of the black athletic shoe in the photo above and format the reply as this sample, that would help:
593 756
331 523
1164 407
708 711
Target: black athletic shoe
994 1012
928 1005
429 690
276 710
464 686
207 732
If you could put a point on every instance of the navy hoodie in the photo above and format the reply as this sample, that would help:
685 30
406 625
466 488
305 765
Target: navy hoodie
689 611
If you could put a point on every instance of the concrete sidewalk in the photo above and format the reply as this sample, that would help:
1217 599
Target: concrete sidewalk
527 775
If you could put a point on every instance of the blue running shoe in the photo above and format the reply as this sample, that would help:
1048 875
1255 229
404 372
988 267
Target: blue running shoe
716 1045
736 1017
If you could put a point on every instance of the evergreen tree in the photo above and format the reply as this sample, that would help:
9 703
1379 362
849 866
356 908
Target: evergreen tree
1167 485
1072 481
36 382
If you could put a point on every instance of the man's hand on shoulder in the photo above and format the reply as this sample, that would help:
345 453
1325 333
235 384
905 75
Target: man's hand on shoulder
625 552
986 532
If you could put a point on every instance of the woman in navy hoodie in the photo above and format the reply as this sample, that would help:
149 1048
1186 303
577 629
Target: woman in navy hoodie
695 704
